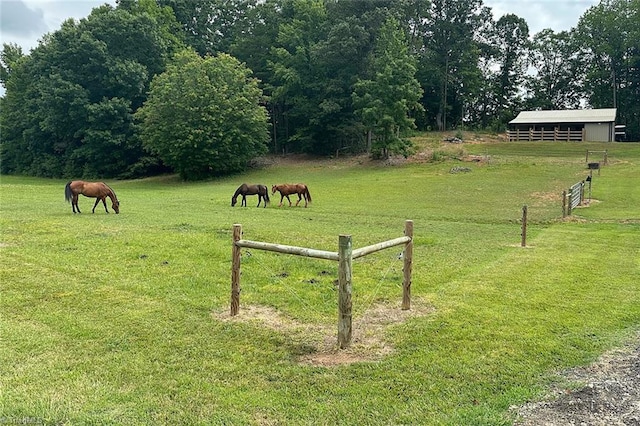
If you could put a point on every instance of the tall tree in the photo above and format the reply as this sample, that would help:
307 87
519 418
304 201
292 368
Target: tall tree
385 100
298 83
211 26
608 35
555 84
203 116
510 40
450 58
9 57
69 105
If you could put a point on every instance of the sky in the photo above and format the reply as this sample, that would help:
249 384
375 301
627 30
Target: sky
24 22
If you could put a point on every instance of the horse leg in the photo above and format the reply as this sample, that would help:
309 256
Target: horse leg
288 199
96 203
299 198
244 201
104 201
74 203
259 200
281 200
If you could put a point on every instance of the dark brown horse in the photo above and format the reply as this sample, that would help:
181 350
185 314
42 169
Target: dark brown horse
287 189
98 190
244 190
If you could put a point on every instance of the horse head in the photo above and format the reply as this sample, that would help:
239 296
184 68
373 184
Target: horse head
116 206
234 200
274 188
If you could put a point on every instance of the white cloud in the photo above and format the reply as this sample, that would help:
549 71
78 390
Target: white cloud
559 15
18 19
24 22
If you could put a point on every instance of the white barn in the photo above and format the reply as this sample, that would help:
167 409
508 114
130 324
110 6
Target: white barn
593 125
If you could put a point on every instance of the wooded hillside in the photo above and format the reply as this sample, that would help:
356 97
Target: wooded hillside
334 75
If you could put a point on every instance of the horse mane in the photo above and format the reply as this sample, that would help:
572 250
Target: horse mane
238 191
113 193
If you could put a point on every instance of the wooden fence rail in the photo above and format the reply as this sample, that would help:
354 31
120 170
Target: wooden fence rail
546 135
605 156
344 256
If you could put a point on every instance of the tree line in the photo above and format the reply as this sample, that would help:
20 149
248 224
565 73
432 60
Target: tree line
201 87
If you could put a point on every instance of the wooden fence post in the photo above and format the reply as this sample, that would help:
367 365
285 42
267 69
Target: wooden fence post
408 264
564 203
235 270
524 226
344 291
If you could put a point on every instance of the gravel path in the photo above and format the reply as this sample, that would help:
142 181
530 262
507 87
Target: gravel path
610 395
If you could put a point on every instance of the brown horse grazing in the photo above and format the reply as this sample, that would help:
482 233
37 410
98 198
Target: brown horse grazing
244 190
287 189
98 190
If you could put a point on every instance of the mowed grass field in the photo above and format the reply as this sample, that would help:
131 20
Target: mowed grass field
124 319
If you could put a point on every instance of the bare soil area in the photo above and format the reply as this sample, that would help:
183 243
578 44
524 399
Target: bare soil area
316 344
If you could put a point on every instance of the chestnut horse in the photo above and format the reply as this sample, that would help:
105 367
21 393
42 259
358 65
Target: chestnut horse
244 190
98 190
287 189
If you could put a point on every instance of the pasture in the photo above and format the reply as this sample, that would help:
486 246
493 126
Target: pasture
124 319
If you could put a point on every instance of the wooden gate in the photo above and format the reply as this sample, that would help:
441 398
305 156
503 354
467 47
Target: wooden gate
572 198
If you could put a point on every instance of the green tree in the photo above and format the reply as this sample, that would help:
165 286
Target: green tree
204 116
510 41
555 84
321 49
69 104
385 100
9 57
449 62
608 35
298 83
211 26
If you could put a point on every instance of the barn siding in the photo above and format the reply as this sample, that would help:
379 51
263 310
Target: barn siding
598 132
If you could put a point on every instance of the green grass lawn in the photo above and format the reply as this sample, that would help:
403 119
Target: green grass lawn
121 319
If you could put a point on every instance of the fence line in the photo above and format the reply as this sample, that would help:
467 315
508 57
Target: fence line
572 198
344 256
545 135
605 157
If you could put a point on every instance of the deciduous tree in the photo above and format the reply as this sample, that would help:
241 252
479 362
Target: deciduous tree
204 116
386 98
69 104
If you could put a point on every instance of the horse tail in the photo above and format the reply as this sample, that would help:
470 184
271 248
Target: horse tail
266 194
306 190
68 195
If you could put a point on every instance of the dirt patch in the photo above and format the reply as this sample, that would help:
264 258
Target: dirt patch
546 196
587 203
316 344
608 394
